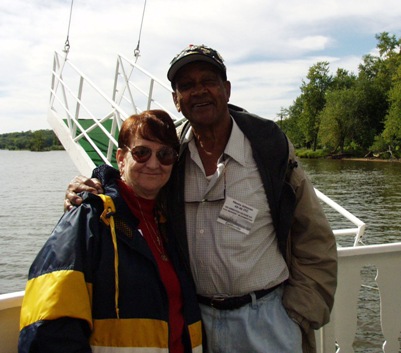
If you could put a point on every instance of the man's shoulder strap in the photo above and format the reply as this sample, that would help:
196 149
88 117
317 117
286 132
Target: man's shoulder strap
292 161
182 130
292 164
109 209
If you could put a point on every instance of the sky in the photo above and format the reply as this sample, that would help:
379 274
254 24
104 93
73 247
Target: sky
268 45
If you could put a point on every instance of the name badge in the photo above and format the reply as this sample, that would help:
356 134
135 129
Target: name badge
237 215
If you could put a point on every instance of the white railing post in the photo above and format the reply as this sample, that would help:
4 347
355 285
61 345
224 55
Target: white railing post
344 319
150 94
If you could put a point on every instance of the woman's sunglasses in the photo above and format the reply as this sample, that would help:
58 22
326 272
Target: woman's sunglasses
142 154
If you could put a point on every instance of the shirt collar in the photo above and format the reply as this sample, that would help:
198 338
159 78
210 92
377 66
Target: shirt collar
235 146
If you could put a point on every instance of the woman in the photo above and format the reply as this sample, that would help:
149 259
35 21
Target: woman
108 277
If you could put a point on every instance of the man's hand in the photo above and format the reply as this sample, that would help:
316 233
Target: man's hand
79 184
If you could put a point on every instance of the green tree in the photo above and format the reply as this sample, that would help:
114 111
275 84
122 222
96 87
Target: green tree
338 115
392 130
314 101
40 140
37 141
347 110
372 107
338 118
390 49
289 124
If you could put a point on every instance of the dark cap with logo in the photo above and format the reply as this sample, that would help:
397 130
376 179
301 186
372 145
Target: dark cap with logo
196 53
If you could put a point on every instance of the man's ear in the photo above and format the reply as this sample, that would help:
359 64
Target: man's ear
227 85
176 103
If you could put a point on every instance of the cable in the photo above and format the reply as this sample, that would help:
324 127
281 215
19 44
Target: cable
137 50
67 42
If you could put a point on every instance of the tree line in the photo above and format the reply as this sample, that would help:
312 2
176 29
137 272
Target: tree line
40 140
350 114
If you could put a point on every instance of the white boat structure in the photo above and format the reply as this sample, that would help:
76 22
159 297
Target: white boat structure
87 122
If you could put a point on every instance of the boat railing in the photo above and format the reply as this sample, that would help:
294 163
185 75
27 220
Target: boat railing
357 232
87 122
137 88
367 306
77 108
10 308
366 312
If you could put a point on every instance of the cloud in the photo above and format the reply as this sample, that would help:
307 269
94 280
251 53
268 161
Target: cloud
268 46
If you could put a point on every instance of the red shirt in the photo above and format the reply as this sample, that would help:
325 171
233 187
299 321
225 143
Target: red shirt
144 210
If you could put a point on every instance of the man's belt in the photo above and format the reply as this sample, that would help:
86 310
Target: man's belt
232 303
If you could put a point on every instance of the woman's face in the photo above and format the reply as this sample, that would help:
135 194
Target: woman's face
147 178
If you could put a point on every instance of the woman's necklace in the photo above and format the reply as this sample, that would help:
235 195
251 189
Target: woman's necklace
154 235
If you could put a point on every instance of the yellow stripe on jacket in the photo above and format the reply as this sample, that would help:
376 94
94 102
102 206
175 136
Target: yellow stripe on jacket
57 294
130 333
195 333
137 333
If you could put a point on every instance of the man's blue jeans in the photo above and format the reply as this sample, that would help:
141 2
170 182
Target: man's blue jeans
262 326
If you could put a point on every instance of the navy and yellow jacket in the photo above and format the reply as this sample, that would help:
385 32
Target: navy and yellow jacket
86 293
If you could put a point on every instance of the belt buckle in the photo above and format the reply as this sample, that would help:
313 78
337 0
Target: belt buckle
217 300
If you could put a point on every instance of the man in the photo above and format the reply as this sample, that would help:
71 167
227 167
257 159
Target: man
259 246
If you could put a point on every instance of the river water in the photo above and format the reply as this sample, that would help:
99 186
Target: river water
370 190
32 186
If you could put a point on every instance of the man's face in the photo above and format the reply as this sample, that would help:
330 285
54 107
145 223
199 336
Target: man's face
201 94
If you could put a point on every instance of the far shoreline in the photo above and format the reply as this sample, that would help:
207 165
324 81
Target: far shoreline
362 159
394 160
356 159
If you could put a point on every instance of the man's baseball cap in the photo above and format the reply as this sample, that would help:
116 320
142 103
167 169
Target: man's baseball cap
196 53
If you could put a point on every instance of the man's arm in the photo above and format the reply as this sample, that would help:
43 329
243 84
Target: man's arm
80 184
312 259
